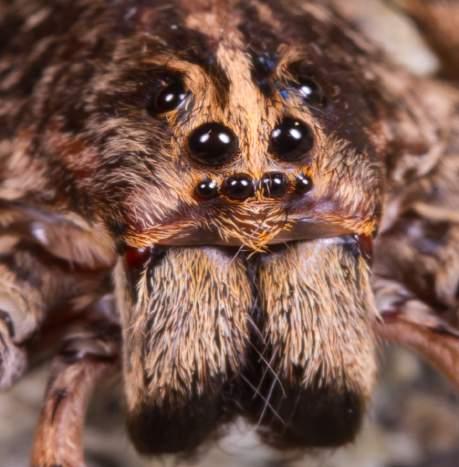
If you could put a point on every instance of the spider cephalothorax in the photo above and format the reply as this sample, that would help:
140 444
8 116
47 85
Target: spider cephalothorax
230 163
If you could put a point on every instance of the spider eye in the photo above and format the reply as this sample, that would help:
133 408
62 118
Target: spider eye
291 140
167 99
303 184
212 144
310 91
303 80
274 184
207 189
239 187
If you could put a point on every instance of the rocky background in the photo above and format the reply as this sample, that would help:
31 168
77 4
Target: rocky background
414 420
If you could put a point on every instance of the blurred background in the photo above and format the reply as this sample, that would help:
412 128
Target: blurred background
414 419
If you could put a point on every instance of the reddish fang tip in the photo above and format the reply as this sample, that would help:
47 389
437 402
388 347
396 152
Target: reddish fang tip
135 258
366 246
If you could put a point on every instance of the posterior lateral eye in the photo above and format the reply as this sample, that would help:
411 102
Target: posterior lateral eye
310 91
305 83
166 99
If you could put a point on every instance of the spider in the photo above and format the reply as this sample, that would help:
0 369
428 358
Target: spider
228 202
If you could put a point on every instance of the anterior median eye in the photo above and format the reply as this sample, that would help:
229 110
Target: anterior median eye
167 99
212 144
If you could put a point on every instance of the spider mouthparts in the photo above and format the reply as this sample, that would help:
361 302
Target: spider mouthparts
256 238
188 328
136 257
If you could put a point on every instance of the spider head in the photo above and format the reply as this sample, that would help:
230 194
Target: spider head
210 130
247 188
235 156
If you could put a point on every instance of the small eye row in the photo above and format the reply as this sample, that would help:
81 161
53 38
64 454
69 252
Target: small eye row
241 186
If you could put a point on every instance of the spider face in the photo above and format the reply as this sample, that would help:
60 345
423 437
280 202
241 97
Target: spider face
240 188
191 137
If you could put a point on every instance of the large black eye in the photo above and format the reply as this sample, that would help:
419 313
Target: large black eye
310 91
291 140
212 144
167 99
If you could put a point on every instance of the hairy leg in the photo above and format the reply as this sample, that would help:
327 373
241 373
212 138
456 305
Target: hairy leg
33 285
89 355
12 357
23 303
417 269
438 20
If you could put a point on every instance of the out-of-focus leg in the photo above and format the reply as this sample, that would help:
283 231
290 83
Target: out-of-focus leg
88 357
416 270
24 289
438 20
12 357
33 285
440 346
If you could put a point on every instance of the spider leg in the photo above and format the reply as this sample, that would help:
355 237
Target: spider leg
89 355
24 281
416 270
12 357
33 285
437 344
438 20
